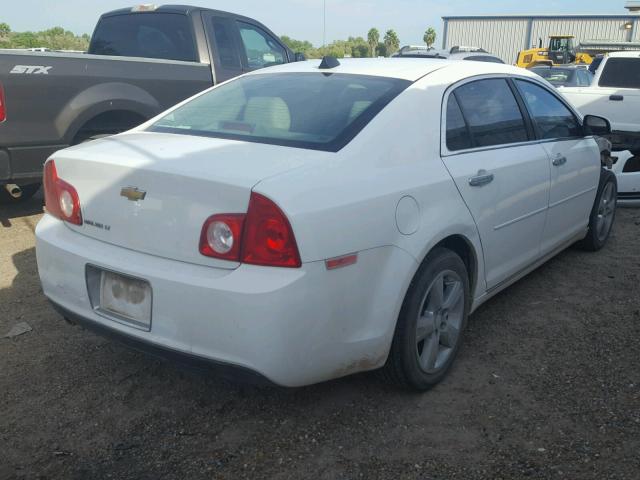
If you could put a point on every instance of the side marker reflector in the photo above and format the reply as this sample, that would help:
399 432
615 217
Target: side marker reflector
339 262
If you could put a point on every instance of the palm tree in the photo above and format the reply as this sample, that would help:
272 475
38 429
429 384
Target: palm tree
373 37
429 37
391 42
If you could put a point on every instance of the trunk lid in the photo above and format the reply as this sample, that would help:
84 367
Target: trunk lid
185 179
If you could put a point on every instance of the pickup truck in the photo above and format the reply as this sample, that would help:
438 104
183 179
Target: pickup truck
141 61
614 94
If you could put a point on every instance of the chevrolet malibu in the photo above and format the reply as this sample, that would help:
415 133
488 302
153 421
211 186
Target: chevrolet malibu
314 220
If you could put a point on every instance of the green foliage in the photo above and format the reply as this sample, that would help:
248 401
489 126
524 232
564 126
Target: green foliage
373 38
56 38
5 30
355 47
296 46
429 37
391 42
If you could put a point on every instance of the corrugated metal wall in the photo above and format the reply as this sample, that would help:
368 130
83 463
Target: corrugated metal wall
506 36
583 29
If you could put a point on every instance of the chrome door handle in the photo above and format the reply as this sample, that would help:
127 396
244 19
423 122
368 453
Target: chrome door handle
559 160
482 178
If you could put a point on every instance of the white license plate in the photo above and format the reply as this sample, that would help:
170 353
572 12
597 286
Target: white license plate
127 299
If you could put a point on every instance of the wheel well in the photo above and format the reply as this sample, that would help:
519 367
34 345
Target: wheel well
462 247
113 121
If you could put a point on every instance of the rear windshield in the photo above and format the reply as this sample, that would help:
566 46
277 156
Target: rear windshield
152 35
621 73
317 111
555 76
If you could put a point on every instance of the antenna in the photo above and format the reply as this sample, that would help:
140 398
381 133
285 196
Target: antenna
324 23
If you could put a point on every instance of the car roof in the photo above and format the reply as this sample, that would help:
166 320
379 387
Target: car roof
181 9
629 54
410 69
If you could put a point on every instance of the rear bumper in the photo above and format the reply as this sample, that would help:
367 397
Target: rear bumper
24 164
292 326
224 370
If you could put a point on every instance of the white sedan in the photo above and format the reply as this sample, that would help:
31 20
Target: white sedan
306 222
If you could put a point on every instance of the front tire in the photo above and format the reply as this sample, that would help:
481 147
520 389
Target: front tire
602 214
431 322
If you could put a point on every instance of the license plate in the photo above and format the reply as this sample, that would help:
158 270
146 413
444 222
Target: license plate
125 298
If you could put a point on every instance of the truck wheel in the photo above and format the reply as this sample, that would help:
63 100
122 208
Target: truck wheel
26 192
603 213
431 322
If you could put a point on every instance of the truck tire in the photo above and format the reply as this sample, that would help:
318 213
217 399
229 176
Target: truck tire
602 214
28 191
431 323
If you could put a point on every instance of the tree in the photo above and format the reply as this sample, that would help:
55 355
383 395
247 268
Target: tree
301 46
429 37
391 42
373 38
5 30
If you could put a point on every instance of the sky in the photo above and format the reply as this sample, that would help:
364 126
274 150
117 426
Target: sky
303 19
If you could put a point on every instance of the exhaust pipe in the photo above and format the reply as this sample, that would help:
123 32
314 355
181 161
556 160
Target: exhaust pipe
14 190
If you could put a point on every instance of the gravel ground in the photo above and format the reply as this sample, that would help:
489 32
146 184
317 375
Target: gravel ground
546 386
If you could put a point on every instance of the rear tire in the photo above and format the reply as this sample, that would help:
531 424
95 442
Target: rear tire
602 214
28 191
431 323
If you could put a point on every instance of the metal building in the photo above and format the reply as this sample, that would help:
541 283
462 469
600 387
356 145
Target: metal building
506 35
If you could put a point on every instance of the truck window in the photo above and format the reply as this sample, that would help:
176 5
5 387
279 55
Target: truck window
262 49
621 73
151 35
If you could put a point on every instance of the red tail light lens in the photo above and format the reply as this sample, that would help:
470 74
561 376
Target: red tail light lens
61 199
3 108
268 238
261 237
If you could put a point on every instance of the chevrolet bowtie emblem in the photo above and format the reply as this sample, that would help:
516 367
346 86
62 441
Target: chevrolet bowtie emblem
133 193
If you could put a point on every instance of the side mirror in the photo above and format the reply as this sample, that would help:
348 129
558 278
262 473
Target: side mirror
299 57
594 125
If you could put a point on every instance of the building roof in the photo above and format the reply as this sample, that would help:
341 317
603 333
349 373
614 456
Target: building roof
537 15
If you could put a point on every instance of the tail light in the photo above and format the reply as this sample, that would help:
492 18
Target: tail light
262 236
61 199
3 108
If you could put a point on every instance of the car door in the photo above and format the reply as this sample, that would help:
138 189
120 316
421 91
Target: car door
502 175
225 51
619 82
573 158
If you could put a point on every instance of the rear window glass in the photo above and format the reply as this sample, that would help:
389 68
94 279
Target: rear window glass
621 73
152 35
556 76
492 113
484 58
307 110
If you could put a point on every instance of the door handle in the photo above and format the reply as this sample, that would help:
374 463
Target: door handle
559 160
616 98
482 178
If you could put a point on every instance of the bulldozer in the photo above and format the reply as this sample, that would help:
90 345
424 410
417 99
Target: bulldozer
561 51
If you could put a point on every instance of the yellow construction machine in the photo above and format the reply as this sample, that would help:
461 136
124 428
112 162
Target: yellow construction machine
561 51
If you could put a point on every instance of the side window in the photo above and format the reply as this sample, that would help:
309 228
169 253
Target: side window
551 116
160 35
225 48
261 49
584 78
457 133
491 112
621 73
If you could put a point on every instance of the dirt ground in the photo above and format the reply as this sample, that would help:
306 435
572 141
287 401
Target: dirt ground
546 386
